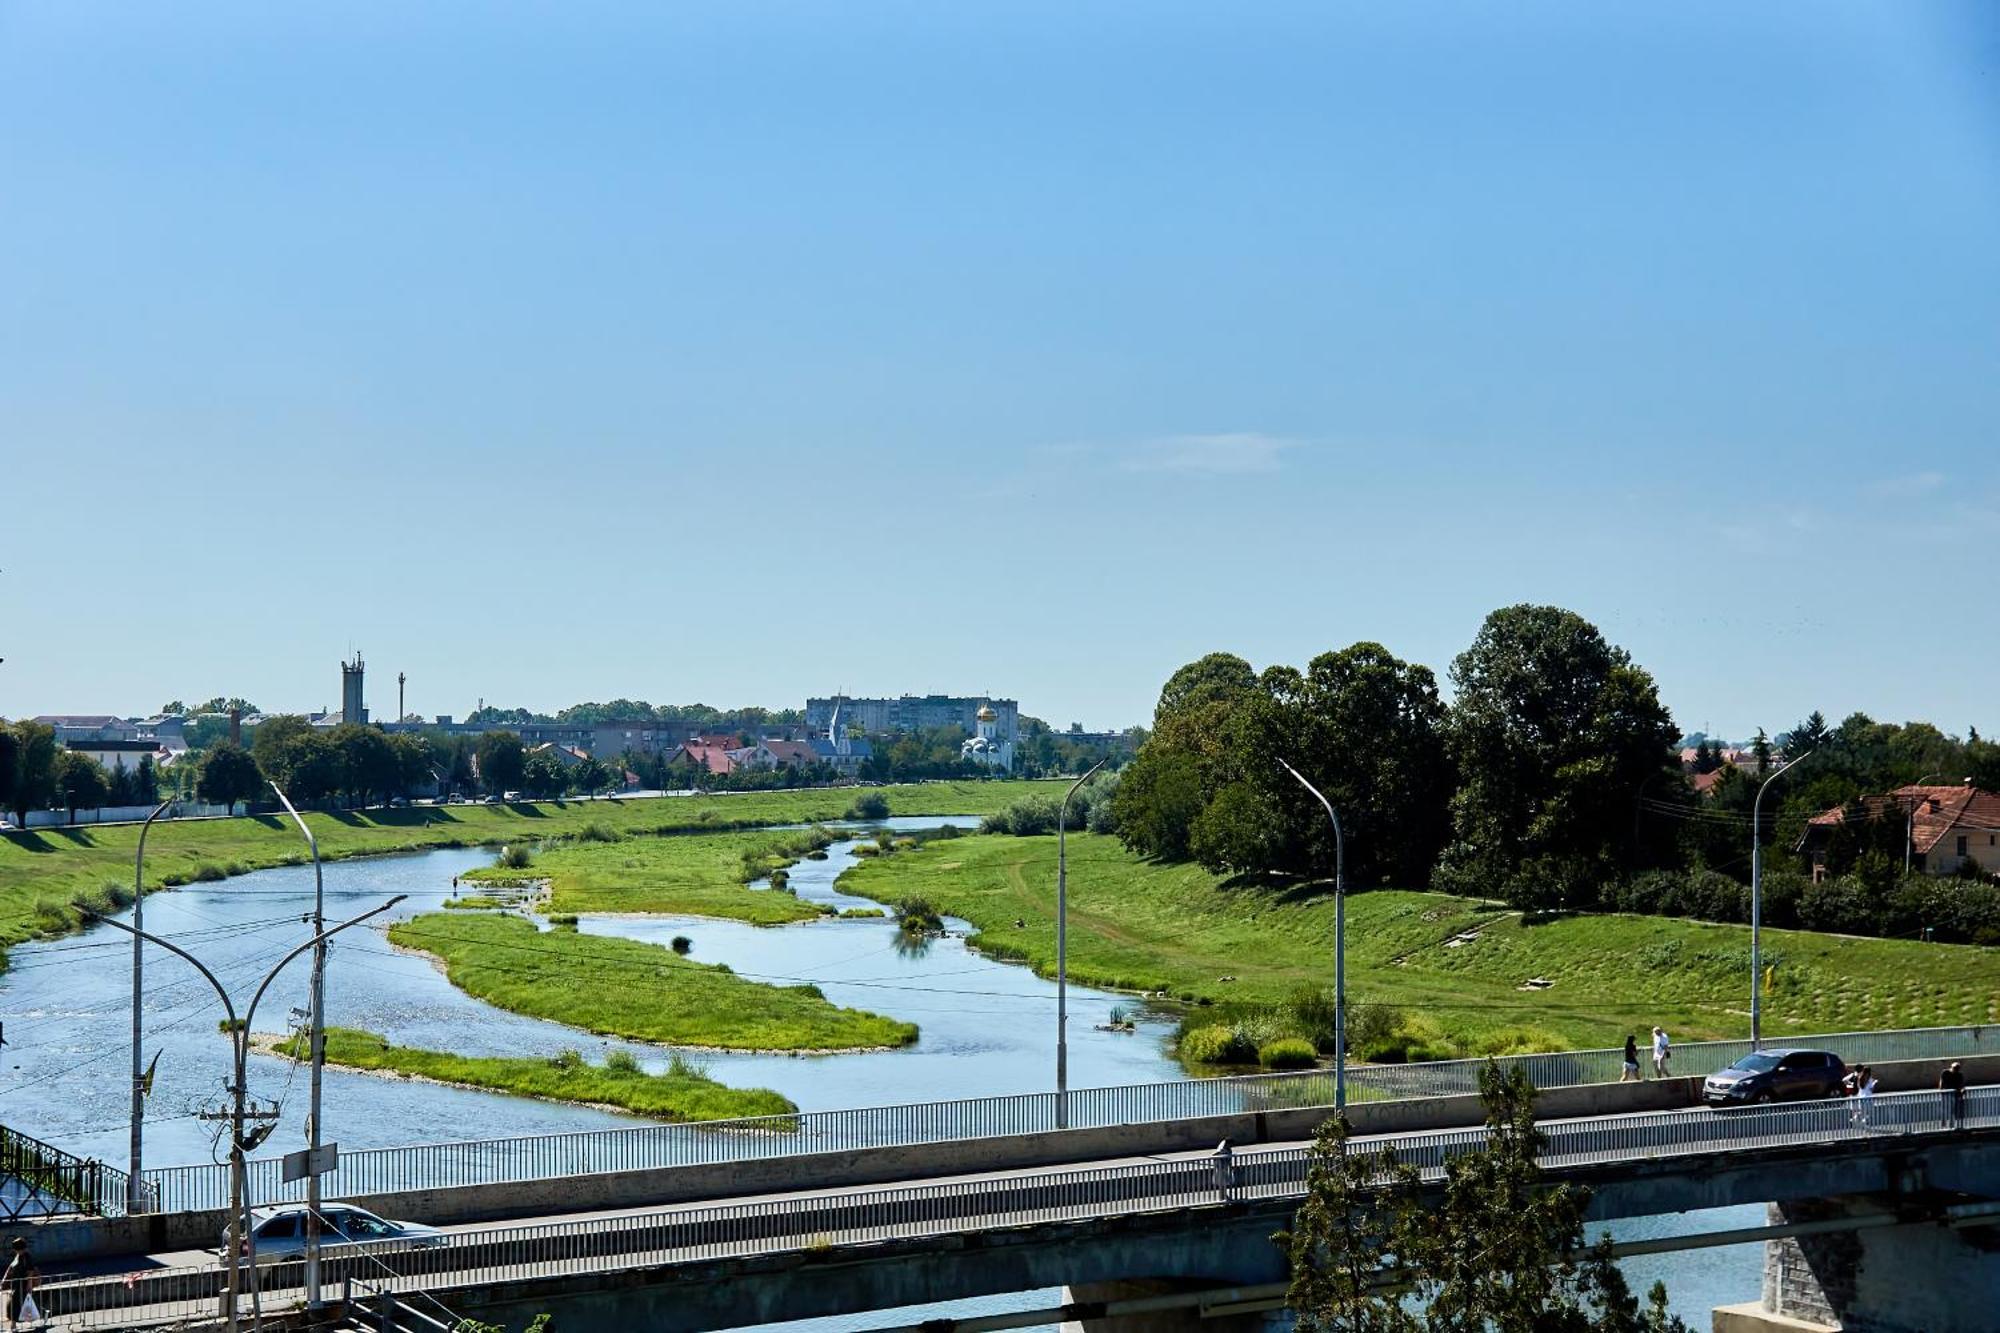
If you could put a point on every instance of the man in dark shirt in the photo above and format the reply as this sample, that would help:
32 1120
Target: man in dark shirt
1951 1085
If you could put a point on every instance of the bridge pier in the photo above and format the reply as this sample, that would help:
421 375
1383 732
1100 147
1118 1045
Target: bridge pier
1919 1277
1183 1319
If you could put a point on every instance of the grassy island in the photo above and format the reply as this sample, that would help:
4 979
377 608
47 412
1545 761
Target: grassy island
683 1092
628 988
701 874
1459 970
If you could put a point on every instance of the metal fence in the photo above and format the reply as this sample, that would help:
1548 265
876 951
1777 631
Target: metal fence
854 1217
647 1147
40 1180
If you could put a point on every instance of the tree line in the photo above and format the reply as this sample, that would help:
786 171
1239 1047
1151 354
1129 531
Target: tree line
1552 779
38 774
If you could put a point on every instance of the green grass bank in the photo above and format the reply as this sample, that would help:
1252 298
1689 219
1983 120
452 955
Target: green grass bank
46 875
628 988
1455 966
684 1092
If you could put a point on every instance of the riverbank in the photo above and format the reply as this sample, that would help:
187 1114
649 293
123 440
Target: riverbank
699 874
644 992
1462 973
50 877
683 1092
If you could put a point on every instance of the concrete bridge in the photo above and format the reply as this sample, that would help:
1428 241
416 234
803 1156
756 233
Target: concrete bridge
1154 1239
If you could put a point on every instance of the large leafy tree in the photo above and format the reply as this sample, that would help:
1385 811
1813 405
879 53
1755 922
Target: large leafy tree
228 775
368 762
1556 734
83 781
34 762
501 761
298 756
1500 1250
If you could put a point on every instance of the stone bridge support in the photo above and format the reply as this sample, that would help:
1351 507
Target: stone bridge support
1183 1319
1918 1277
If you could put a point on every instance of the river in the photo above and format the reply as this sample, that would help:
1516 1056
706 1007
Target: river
987 1028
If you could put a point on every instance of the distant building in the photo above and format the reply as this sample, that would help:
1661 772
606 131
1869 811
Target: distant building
1947 827
777 753
112 753
985 745
566 755
913 712
73 727
352 706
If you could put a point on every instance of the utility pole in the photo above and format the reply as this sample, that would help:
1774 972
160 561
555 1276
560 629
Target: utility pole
400 714
242 1246
135 1193
316 1048
1339 943
1757 899
1062 949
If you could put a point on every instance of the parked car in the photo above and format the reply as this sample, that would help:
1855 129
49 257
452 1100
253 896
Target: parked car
281 1230
1779 1075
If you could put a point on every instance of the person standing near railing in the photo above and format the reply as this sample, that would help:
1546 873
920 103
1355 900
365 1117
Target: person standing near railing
1225 1170
19 1281
1663 1051
1951 1086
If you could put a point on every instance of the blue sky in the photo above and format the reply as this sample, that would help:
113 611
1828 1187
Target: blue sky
737 352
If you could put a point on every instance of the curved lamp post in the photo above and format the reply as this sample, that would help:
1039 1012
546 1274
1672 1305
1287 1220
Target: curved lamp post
1062 949
239 1204
1757 899
316 1053
1339 942
135 1192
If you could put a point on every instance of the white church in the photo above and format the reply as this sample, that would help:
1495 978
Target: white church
985 746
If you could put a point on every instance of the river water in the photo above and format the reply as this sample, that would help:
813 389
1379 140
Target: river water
986 1028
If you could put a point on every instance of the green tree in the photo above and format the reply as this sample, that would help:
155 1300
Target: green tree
1555 733
82 781
34 769
412 756
368 762
1497 1249
298 756
591 776
228 774
500 760
543 775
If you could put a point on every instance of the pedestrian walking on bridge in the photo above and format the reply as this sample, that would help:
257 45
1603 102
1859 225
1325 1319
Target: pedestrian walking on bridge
1663 1051
1225 1171
1630 1074
1951 1088
19 1282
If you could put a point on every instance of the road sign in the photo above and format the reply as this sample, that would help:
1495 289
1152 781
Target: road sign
312 1161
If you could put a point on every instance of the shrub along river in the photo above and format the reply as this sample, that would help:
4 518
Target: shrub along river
987 1028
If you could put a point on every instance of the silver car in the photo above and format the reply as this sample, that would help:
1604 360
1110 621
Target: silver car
280 1231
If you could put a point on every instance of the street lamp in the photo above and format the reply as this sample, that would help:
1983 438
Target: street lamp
1062 949
239 1204
1339 943
1757 899
134 1190
316 1043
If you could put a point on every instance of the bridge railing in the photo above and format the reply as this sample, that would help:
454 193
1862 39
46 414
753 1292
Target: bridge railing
860 1216
40 1180
648 1147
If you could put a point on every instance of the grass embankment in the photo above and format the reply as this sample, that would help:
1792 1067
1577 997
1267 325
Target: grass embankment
702 874
47 874
684 1092
627 988
1147 927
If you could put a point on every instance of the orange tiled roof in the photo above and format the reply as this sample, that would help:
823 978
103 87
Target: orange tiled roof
1935 811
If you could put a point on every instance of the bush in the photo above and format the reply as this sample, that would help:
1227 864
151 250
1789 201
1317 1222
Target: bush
1218 1044
563 919
869 805
683 945
1287 1053
515 857
206 873
622 1062
568 1059
596 832
917 916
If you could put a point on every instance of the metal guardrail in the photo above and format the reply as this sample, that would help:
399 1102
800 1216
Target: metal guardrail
40 1180
648 1147
863 1216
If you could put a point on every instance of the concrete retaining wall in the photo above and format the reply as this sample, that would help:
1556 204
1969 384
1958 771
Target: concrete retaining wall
87 1237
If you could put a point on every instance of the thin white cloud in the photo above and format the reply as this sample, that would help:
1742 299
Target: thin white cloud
1230 454
1916 483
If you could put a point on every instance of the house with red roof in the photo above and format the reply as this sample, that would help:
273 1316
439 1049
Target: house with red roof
1946 827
